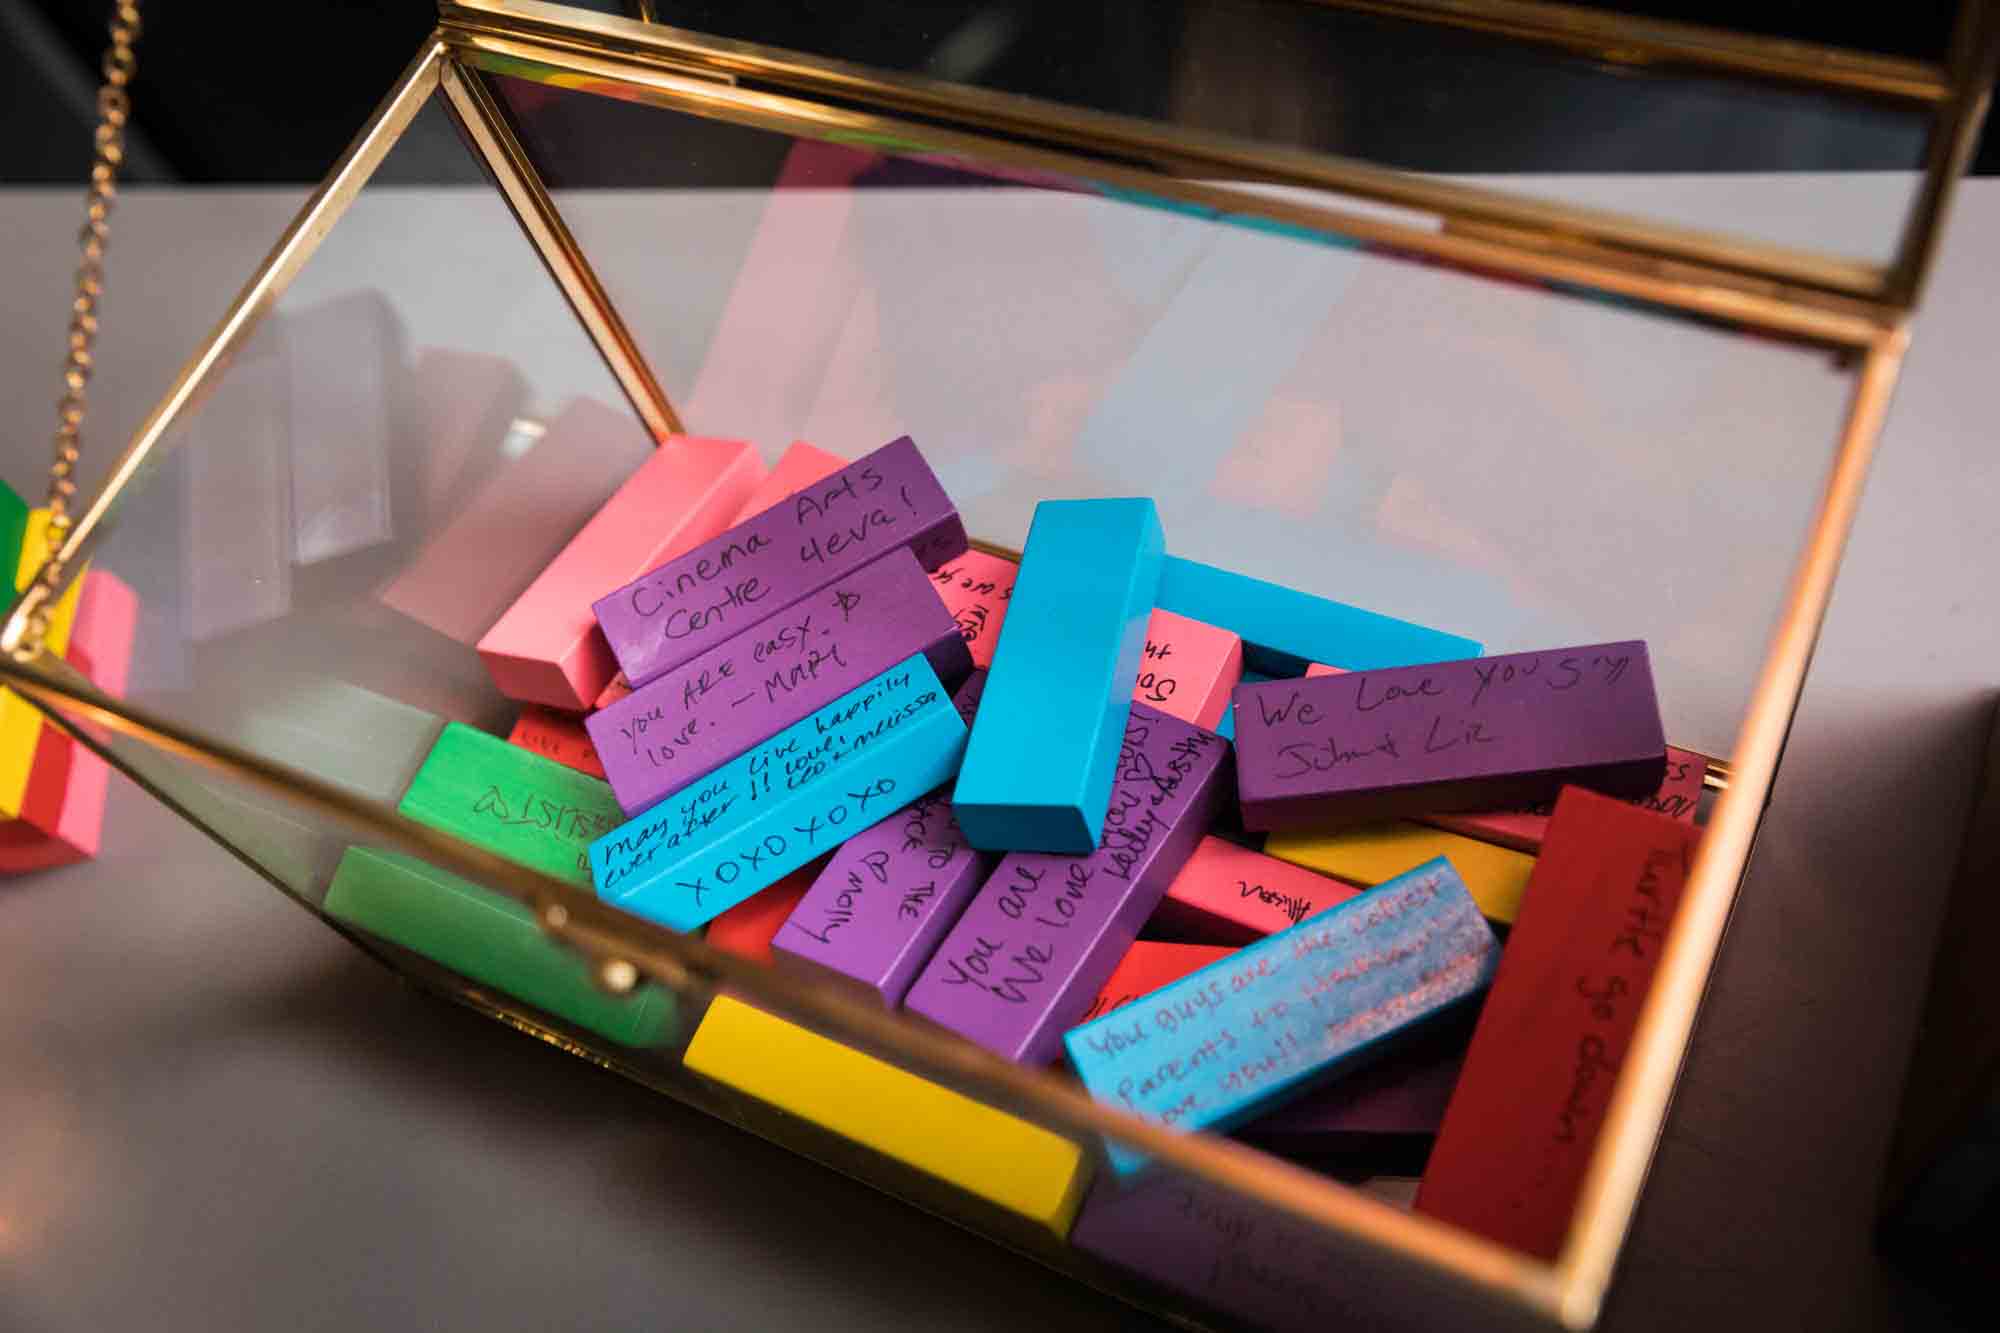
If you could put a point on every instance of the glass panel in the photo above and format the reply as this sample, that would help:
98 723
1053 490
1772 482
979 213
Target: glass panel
1423 98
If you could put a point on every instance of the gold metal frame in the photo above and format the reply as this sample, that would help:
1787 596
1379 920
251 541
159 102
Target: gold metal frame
1858 309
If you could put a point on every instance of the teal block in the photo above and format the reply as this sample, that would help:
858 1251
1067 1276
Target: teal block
806 790
1038 769
1285 630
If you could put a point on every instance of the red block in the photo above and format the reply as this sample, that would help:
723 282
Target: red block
1146 967
558 736
747 929
1678 796
1519 1132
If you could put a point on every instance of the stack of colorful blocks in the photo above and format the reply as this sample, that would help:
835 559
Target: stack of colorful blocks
1235 857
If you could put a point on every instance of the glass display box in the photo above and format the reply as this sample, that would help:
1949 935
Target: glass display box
1526 409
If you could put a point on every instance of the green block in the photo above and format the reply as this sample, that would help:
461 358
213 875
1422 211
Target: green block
13 527
492 939
512 802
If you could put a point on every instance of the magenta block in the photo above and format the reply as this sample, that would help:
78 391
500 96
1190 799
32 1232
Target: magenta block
829 530
1045 931
697 717
1486 733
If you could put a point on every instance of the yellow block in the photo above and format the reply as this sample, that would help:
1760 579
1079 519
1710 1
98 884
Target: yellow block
999 1157
1496 876
20 721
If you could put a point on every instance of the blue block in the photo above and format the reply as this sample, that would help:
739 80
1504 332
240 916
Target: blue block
1226 728
1285 630
1037 775
1249 1032
801 793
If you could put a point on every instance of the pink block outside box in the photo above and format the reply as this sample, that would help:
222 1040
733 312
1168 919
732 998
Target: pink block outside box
103 632
1188 668
547 648
799 467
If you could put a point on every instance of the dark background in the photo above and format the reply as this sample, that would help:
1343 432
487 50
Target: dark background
269 95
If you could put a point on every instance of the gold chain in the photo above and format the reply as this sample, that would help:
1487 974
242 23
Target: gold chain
114 108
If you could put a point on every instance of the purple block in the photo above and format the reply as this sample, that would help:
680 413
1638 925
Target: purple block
1044 933
877 911
1237 1257
1486 733
699 716
767 562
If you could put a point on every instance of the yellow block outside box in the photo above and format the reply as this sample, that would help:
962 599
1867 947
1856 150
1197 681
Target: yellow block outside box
1000 1157
1496 876
21 721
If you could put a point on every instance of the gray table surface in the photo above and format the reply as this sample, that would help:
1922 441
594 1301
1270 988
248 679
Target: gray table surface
214 1114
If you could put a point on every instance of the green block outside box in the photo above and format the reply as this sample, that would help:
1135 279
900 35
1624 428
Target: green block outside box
491 939
512 802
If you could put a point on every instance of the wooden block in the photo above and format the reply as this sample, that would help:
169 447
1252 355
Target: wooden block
1038 769
20 721
514 804
1483 734
475 561
1227 894
557 736
1496 876
1045 931
1518 1136
1677 797
976 588
1250 1032
493 940
690 604
795 797
1186 670
1284 631
998 1157
1147 966
770 675
748 928
546 648
877 912
62 819
798 467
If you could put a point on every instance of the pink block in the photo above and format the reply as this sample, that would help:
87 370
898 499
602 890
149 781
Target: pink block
1227 894
799 467
748 928
617 689
1678 796
975 588
546 648
559 736
1188 668
1322 669
100 644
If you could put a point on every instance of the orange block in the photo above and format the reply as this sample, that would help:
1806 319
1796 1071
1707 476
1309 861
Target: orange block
559 736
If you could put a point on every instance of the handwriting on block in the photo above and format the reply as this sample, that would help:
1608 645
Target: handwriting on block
1001 1158
1518 1136
514 804
748 928
796 796
798 467
1147 966
557 736
1044 931
1227 894
703 713
546 648
1677 797
20 721
62 812
1497 877
1248 1033
1284 631
976 588
1483 734
690 604
1038 769
492 939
